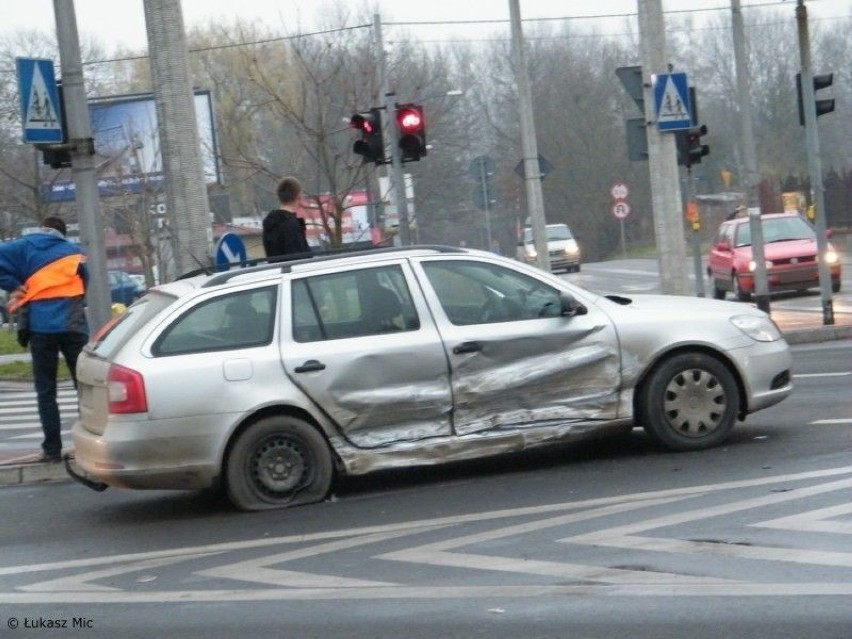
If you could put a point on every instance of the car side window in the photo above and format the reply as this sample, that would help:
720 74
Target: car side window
478 293
352 304
239 320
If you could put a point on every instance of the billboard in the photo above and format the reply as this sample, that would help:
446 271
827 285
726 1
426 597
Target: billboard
127 146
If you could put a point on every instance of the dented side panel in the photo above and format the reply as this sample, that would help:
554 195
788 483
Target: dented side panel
376 389
526 372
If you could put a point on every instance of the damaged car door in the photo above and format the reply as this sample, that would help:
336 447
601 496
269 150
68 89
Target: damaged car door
519 358
365 349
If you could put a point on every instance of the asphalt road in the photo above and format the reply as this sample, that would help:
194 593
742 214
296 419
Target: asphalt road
595 540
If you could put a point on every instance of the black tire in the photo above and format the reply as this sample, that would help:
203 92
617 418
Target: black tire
738 293
718 292
278 462
689 402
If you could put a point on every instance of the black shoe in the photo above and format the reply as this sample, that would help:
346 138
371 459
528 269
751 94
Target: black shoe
45 458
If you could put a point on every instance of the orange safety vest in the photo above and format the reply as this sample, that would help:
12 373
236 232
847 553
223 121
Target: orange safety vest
60 278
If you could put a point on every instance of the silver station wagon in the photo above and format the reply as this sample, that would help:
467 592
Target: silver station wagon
272 379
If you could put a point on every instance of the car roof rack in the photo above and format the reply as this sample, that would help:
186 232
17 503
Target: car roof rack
284 263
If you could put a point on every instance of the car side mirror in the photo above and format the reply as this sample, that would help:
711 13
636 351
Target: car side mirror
569 306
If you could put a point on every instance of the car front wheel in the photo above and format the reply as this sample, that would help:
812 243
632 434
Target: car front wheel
718 291
741 295
690 402
278 462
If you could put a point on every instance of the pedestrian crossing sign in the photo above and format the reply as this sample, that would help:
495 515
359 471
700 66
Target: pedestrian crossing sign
671 97
41 110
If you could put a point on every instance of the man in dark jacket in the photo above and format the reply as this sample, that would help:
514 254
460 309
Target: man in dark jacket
47 277
283 230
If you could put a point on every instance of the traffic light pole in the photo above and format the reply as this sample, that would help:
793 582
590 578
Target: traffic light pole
814 163
395 172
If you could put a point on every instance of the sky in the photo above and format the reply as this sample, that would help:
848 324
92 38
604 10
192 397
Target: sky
103 20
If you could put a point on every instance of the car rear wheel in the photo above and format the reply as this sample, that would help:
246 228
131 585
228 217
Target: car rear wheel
278 462
690 402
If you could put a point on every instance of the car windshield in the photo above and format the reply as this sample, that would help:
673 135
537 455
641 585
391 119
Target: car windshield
778 229
554 232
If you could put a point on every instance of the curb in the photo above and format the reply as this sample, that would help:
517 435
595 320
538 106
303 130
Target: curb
32 474
816 335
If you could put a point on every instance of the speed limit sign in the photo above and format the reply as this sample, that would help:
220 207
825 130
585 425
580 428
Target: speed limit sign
619 191
621 210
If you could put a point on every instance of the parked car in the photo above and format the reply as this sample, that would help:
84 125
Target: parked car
272 379
562 248
123 288
790 250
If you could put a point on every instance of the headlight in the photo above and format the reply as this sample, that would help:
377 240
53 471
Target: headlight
760 329
531 253
572 249
831 257
753 265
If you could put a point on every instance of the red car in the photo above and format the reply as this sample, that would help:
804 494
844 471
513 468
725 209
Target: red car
790 250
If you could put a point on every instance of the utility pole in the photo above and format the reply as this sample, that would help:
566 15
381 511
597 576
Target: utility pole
761 285
814 163
396 176
529 146
662 156
187 208
82 150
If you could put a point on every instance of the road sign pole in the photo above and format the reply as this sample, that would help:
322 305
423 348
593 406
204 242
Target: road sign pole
83 163
662 158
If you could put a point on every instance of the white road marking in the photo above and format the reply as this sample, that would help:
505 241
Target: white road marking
814 521
256 570
831 421
629 585
624 536
842 374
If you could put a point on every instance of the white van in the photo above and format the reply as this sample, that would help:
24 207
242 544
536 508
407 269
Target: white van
561 248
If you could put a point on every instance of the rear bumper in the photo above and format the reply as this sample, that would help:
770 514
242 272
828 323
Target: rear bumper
168 462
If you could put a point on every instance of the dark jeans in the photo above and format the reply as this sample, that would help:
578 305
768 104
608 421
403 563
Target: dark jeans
45 349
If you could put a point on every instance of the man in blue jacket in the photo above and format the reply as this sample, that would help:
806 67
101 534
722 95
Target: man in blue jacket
47 277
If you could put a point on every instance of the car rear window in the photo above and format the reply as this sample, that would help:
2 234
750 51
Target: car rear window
117 331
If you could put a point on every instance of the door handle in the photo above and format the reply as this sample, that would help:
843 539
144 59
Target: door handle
310 366
467 347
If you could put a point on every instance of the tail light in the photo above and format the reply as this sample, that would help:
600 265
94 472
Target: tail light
126 389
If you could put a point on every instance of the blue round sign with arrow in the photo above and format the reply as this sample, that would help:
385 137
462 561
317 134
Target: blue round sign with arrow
230 250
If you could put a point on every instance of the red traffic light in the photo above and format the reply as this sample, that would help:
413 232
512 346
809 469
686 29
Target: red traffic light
410 119
360 122
412 131
370 146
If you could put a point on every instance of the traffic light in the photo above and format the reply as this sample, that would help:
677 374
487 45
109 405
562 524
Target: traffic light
412 131
822 81
371 146
690 150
